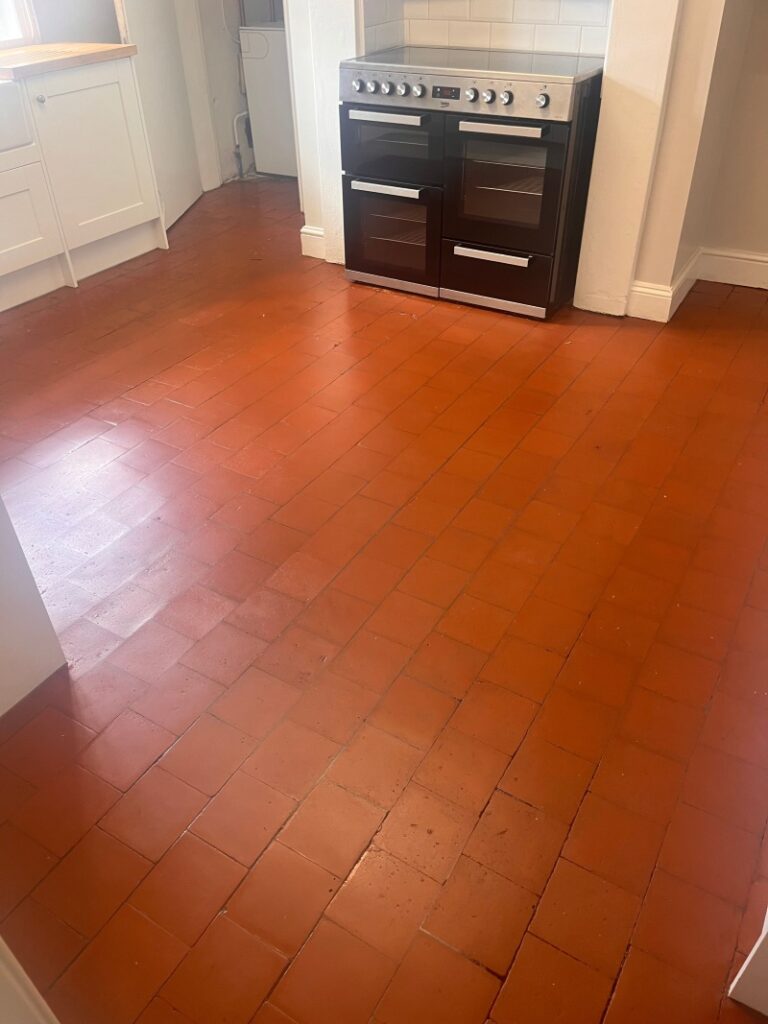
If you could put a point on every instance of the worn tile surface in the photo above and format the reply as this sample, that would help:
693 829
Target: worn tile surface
418 653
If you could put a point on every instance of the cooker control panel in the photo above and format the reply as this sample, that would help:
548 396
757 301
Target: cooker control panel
542 100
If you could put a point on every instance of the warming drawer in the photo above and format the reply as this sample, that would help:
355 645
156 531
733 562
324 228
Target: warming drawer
514 281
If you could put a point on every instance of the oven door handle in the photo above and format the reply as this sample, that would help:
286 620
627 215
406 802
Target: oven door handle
518 131
380 117
491 257
386 190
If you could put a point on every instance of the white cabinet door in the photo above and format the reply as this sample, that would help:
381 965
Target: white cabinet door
95 148
29 229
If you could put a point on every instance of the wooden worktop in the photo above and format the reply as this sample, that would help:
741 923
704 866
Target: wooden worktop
23 61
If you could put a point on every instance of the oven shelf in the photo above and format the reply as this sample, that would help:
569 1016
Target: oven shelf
398 241
504 188
401 139
509 164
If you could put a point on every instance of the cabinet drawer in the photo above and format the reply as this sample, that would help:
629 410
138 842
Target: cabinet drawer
514 281
30 232
17 143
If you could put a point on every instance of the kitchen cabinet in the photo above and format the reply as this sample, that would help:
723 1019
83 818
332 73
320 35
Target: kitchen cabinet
89 123
17 144
30 232
77 186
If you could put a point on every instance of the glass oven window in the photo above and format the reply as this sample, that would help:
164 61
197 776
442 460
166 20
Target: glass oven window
396 141
394 233
504 182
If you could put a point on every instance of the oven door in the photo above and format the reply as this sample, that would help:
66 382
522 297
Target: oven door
391 146
393 231
504 182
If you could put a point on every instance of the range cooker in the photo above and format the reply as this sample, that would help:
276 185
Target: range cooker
466 172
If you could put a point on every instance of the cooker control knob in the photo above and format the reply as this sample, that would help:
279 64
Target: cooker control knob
418 91
388 88
358 85
403 89
506 97
542 100
372 87
489 96
471 95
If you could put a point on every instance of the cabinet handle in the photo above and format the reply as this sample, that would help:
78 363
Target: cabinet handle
519 131
40 99
386 190
491 257
417 120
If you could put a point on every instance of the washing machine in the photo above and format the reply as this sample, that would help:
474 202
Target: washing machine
268 84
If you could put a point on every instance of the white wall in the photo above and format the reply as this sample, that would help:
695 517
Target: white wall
705 197
192 44
726 100
29 649
152 25
689 87
89 21
635 88
220 22
739 212
562 26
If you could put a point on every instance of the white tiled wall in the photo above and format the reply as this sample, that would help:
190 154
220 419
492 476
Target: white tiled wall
384 24
565 26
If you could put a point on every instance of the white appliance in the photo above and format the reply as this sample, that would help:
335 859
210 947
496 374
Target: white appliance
267 82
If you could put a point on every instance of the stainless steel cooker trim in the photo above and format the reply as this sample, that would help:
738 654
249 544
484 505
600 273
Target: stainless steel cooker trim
381 61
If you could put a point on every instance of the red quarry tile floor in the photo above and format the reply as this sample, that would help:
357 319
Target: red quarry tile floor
418 653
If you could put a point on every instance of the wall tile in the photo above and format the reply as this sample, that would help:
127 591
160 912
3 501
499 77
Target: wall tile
594 40
375 12
429 33
584 12
449 9
416 9
492 10
558 38
505 36
474 34
537 11
566 26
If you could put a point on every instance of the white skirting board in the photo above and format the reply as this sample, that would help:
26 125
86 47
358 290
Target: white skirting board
733 266
660 302
313 242
41 278
728 266
32 282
